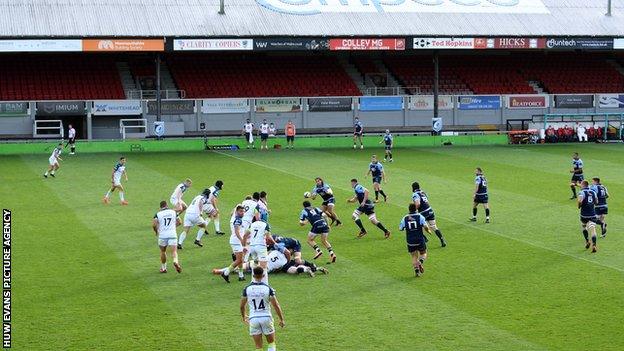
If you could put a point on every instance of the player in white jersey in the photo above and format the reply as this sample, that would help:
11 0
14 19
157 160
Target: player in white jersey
252 210
71 135
118 171
54 161
259 237
264 134
210 208
236 242
164 224
272 130
248 128
176 197
257 296
193 217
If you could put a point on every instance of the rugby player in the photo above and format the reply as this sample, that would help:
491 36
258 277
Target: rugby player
587 200
176 197
319 226
376 170
118 171
365 206
577 174
53 161
164 224
480 196
421 200
601 206
413 224
326 193
388 141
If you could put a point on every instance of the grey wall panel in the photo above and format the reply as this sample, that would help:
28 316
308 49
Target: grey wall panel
330 119
16 125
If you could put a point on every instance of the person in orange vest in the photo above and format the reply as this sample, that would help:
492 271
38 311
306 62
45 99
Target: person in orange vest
290 131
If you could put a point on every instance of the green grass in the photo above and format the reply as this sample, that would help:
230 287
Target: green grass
85 275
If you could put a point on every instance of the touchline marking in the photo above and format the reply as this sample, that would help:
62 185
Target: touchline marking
445 218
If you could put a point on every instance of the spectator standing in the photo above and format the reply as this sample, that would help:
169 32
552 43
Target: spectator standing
290 131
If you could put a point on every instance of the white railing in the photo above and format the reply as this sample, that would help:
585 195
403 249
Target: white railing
133 124
40 126
152 94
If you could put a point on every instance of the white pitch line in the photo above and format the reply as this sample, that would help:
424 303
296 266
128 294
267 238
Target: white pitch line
445 218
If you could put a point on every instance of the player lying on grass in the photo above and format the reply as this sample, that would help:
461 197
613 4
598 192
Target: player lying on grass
365 206
176 197
279 261
118 171
292 244
326 193
413 224
164 224
319 227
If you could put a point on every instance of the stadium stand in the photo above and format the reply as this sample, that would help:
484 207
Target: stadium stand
220 76
59 78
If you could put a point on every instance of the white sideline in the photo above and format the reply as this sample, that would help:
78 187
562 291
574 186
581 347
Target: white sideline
445 218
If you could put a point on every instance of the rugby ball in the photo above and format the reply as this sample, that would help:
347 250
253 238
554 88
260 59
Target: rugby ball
306 194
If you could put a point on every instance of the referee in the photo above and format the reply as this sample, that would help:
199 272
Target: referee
72 140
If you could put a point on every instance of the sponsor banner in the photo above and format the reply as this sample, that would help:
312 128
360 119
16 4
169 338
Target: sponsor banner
510 43
367 44
225 106
123 45
420 6
618 43
425 102
574 101
580 43
443 43
515 102
381 103
61 108
172 107
13 109
291 44
278 105
116 107
41 45
330 104
479 102
212 44
611 100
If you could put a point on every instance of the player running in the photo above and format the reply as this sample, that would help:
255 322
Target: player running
327 194
376 170
54 161
358 131
577 174
118 171
264 134
480 196
601 206
421 201
164 224
192 217
257 297
248 128
388 141
314 216
210 208
176 197
71 135
413 225
258 236
587 199
365 206
290 244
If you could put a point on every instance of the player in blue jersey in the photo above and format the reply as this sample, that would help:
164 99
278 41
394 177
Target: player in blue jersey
587 200
365 206
577 174
413 225
388 142
314 216
421 201
325 192
358 131
291 244
480 196
601 206
376 171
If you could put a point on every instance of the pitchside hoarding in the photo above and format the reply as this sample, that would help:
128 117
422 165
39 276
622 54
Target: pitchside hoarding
381 103
172 107
13 109
107 45
212 44
479 102
278 105
291 44
574 101
611 100
225 106
61 108
116 107
367 44
580 43
425 102
516 102
443 43
330 104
